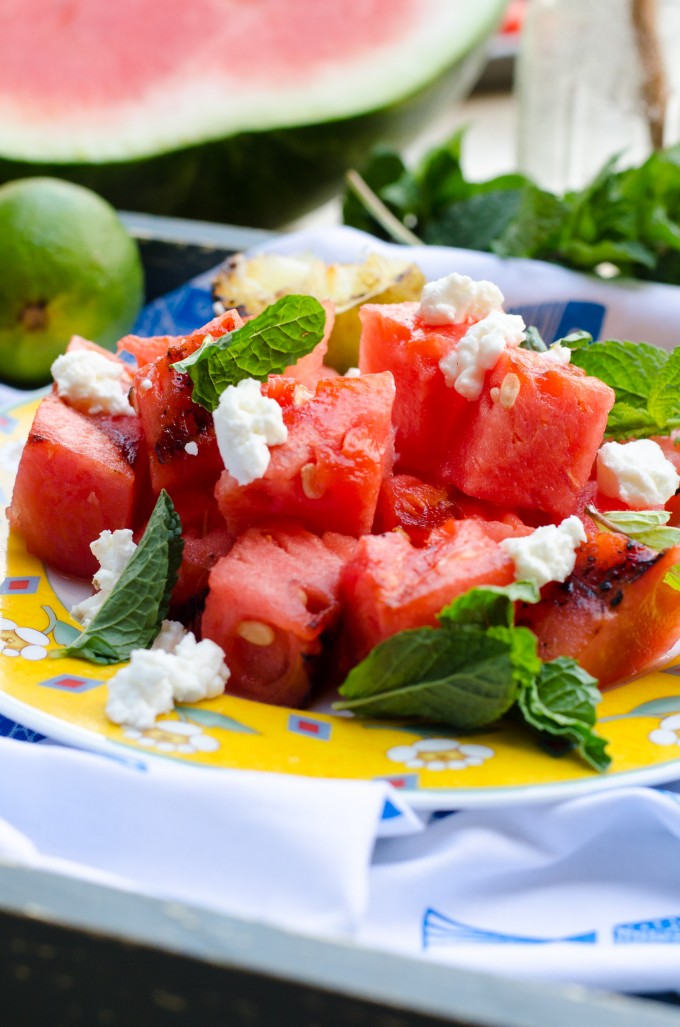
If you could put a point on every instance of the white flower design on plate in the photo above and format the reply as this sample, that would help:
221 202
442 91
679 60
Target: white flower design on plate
667 731
16 640
440 754
173 736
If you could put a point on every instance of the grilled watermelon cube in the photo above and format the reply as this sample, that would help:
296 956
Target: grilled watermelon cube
426 412
269 602
327 475
615 614
390 585
538 450
79 474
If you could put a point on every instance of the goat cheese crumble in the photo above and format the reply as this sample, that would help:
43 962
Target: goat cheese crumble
156 678
113 550
92 383
637 473
246 425
465 365
558 353
457 298
548 554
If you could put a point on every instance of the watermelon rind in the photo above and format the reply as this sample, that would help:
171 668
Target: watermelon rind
272 156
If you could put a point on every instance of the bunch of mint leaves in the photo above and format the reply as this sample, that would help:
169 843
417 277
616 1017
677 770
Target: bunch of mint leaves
475 667
628 218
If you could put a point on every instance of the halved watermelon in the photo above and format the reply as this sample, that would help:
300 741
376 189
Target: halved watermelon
219 109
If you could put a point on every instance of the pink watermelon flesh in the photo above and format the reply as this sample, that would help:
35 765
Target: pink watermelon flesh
124 52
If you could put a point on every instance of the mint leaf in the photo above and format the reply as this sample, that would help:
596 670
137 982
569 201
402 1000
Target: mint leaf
629 368
466 673
473 669
465 678
629 422
287 330
132 615
533 340
663 401
562 700
645 526
489 605
628 218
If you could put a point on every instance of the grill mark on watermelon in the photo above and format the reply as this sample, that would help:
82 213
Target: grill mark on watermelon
593 580
194 420
127 445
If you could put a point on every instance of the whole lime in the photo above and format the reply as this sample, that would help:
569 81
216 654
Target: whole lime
67 266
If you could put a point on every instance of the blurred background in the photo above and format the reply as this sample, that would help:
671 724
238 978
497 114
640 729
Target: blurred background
545 129
243 113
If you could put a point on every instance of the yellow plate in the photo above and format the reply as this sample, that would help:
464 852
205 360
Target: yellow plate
436 769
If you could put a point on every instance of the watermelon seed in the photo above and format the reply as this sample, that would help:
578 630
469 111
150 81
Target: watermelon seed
255 632
311 486
509 391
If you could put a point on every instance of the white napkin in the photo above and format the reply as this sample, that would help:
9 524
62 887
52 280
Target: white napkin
586 891
291 851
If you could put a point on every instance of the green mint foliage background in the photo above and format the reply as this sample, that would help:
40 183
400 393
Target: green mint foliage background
285 331
629 218
132 615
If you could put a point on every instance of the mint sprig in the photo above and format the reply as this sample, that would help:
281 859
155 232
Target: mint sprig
131 616
473 669
285 331
646 381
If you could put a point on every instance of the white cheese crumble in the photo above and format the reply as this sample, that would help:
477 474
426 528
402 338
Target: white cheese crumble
146 384
113 550
191 448
548 554
170 635
465 365
156 678
637 473
92 382
559 353
246 424
353 372
457 298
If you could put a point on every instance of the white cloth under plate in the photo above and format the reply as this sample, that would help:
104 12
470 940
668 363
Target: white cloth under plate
585 891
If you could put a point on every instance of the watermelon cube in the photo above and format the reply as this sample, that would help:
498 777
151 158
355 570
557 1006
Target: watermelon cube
270 600
535 449
327 475
79 474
